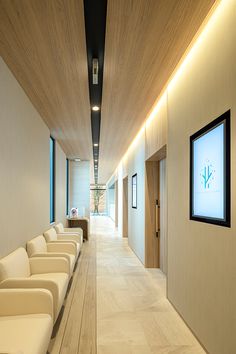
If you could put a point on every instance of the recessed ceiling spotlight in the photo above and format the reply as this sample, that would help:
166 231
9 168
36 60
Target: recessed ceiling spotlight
77 160
95 144
95 108
95 160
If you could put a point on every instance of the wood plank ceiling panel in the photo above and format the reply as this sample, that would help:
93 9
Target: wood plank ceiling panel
145 40
43 43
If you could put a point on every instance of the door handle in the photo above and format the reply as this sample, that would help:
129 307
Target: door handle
157 218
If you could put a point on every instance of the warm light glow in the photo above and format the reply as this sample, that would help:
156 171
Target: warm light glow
162 100
210 21
137 137
95 108
218 10
95 144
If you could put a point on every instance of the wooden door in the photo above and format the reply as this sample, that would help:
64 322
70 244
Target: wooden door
163 215
152 252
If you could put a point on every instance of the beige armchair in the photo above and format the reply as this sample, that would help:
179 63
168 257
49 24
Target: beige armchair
26 320
51 273
37 247
51 236
60 229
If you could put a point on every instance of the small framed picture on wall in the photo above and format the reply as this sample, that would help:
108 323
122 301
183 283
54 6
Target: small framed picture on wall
134 191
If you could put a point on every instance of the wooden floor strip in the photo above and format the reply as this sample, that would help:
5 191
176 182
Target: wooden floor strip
77 329
88 335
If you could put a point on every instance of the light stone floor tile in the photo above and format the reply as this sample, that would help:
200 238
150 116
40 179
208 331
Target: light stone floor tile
133 313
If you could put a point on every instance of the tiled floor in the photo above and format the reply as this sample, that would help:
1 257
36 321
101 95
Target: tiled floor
133 314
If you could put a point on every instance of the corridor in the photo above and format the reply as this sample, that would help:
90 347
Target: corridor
118 167
116 306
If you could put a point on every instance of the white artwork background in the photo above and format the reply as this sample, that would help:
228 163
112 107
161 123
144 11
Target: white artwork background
208 178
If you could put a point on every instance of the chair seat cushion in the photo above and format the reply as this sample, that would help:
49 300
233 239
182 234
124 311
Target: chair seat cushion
28 334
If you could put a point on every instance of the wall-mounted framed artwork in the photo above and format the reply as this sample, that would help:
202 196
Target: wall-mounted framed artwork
210 172
134 191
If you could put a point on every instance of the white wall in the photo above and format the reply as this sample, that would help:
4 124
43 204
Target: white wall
111 203
136 216
201 257
151 138
79 186
110 198
60 185
24 158
133 162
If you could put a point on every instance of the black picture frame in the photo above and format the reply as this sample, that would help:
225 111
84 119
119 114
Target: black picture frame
52 179
226 220
134 191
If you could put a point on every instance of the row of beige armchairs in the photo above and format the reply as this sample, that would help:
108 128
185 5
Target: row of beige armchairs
33 286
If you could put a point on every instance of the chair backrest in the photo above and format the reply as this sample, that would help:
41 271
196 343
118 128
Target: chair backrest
59 228
36 245
50 235
15 265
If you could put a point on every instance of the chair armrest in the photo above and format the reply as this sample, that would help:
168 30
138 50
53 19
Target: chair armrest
52 254
14 302
41 265
29 283
67 247
70 237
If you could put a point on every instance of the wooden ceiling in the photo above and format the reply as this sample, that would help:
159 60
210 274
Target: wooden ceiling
145 39
43 43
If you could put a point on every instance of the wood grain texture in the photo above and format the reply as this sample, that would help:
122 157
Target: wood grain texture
43 43
152 243
77 330
156 131
145 40
163 215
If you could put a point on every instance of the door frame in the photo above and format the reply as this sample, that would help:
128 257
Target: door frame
152 193
116 203
125 207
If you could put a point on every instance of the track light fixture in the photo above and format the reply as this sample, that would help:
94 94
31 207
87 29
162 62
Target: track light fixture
95 71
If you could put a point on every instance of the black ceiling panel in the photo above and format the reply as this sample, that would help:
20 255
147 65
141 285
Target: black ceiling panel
95 27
